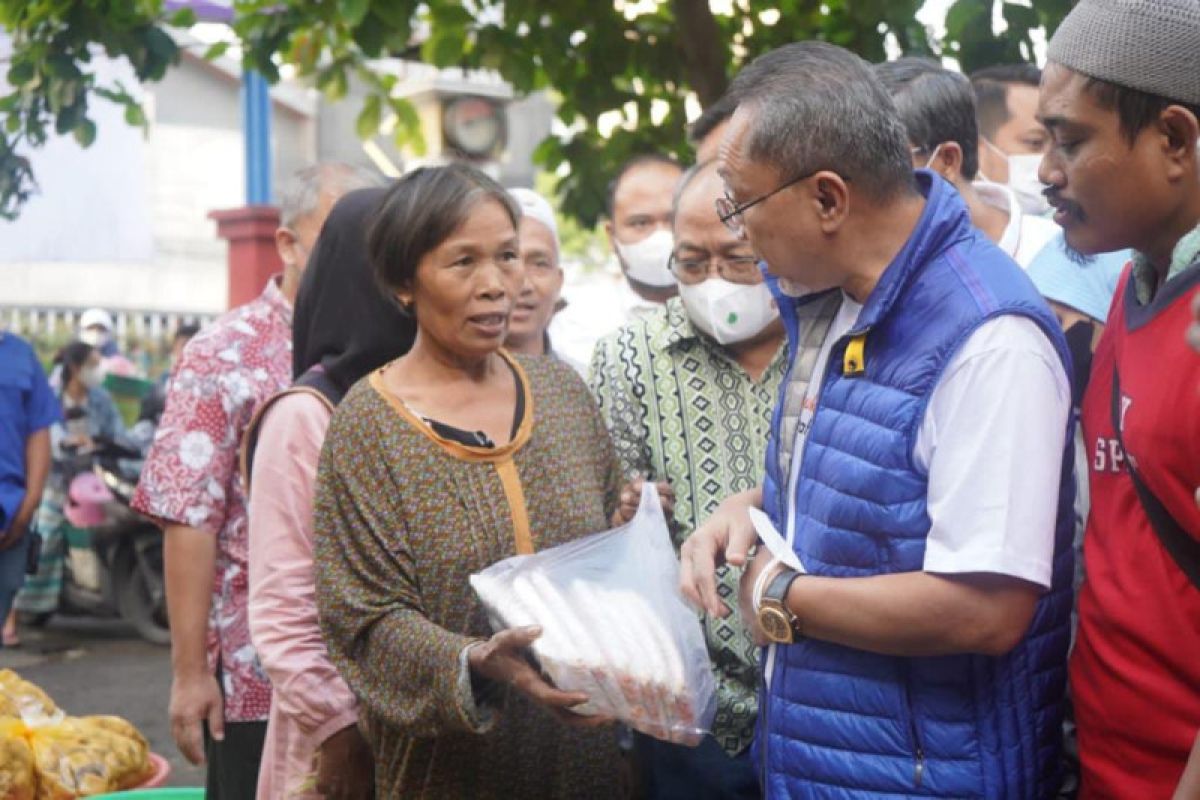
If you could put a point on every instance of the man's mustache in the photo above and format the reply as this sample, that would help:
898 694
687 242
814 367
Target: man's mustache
1054 198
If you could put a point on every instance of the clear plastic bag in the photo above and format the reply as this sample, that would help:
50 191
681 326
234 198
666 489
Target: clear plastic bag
614 625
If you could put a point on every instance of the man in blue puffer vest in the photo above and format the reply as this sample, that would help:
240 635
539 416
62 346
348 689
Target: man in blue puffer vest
919 467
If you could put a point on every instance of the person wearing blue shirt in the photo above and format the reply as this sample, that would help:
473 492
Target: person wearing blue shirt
91 419
27 410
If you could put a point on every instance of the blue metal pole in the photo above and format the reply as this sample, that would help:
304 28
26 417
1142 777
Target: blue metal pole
256 123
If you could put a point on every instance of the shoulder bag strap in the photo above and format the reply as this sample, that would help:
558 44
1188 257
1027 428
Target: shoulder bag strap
1175 540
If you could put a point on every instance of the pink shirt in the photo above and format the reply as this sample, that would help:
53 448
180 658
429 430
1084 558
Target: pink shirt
191 475
311 701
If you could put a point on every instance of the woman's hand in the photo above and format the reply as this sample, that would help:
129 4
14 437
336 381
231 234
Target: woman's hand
346 766
631 498
502 659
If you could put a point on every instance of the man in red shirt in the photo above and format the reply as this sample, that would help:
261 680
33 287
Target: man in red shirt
1122 101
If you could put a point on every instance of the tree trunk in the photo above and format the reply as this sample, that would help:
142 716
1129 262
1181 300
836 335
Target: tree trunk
703 48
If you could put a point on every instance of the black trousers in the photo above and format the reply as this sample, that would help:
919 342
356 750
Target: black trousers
233 763
675 772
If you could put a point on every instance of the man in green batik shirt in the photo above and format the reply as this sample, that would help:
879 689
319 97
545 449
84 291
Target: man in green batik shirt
687 394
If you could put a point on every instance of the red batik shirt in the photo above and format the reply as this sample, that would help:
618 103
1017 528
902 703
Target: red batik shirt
192 475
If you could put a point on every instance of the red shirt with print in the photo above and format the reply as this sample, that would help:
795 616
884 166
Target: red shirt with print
1135 670
192 477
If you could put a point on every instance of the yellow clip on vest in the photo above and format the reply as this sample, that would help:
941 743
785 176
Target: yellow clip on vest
855 361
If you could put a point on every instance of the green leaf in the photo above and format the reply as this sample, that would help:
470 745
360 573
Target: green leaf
21 73
160 43
445 48
332 81
354 12
183 18
85 132
368 119
215 51
135 116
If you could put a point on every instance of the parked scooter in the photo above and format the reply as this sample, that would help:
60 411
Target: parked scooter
113 556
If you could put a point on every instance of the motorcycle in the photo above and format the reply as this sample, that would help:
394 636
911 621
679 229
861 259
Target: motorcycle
113 556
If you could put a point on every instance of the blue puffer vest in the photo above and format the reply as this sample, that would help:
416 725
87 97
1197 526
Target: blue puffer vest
839 722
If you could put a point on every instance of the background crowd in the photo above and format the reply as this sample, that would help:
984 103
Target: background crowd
853 319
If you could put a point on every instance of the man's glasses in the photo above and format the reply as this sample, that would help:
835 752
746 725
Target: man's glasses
693 269
730 213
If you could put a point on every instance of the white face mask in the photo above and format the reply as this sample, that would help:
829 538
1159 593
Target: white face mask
91 377
1023 180
94 336
647 261
729 312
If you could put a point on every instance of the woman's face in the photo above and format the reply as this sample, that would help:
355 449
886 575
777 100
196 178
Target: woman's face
90 368
464 289
543 284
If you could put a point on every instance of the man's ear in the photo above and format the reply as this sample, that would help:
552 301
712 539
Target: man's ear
949 161
831 199
285 241
1180 132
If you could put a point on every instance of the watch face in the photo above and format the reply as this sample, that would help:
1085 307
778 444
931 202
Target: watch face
775 625
473 125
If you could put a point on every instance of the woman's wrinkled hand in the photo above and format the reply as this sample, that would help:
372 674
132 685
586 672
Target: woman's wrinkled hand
503 660
631 498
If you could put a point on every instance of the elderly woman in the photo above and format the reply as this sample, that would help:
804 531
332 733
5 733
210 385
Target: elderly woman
451 458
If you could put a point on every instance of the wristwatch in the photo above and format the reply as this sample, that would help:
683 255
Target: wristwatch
777 622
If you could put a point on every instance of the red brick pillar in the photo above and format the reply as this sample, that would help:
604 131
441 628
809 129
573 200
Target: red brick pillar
250 231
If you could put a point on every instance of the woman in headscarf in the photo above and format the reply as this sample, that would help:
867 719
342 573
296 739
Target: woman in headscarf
343 327
445 461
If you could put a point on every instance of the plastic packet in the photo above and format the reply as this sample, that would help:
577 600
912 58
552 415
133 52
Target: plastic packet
614 625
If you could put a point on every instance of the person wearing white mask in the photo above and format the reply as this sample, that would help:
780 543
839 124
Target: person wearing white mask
687 394
639 229
96 328
638 209
938 111
1011 139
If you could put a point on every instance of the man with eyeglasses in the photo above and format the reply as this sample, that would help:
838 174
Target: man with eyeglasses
687 395
914 578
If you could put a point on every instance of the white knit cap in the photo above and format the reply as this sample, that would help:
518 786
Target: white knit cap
1148 45
95 317
534 206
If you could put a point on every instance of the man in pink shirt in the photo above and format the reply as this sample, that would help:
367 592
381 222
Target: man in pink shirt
220 697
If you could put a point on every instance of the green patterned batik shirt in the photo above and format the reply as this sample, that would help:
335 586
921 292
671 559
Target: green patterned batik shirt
680 408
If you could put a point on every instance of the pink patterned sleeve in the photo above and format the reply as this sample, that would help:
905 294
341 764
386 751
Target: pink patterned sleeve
283 611
190 473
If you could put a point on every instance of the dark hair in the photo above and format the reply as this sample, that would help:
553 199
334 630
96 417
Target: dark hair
936 106
420 211
991 86
1135 109
819 106
642 160
186 330
712 117
71 358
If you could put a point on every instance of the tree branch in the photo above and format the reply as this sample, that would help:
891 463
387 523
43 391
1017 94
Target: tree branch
703 48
